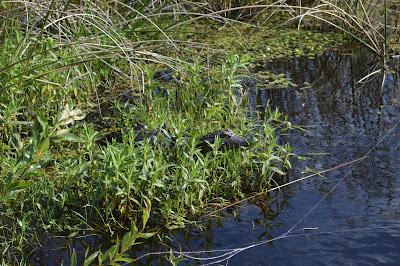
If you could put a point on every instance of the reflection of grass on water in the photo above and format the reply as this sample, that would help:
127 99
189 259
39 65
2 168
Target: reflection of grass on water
60 60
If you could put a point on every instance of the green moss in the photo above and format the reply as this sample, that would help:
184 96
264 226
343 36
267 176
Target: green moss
269 80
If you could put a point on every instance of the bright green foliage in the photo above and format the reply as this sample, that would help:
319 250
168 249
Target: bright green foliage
56 179
62 65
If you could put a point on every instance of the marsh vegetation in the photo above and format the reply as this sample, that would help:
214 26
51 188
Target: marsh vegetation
73 72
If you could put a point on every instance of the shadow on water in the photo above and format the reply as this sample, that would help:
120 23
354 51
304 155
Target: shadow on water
343 120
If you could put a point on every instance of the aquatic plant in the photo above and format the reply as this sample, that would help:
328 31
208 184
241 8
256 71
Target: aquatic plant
371 23
362 20
60 61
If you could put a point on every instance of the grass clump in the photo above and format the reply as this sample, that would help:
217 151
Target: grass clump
61 62
373 24
59 180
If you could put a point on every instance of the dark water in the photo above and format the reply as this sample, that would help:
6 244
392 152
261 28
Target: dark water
347 216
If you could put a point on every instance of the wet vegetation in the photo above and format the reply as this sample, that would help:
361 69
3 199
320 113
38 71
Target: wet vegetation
129 118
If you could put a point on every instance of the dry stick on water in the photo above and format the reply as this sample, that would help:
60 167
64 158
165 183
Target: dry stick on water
286 234
342 179
284 185
234 251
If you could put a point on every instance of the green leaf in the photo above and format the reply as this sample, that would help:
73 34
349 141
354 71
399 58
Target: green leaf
100 257
89 259
119 258
17 185
112 251
145 235
277 170
61 132
14 187
159 183
127 241
146 213
70 137
73 259
44 146
43 121
134 229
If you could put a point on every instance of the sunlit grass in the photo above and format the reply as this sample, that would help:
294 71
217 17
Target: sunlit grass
58 61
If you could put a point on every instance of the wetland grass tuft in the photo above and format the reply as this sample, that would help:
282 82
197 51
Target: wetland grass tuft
359 19
60 61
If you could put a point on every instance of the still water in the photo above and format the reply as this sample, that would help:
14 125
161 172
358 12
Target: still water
346 216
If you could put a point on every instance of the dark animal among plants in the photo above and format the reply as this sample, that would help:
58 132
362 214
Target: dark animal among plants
229 140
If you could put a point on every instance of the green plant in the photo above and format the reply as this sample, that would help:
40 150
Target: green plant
359 19
116 254
55 178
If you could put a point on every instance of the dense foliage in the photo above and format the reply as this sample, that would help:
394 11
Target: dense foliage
71 71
